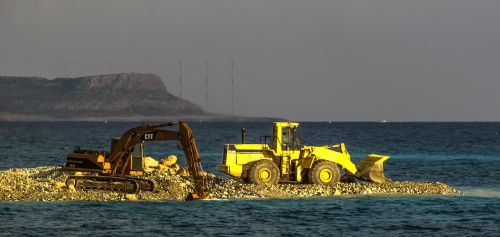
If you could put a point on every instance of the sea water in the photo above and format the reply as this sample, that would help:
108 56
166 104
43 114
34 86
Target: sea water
463 155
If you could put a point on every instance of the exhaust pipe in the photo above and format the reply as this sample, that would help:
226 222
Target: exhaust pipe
243 135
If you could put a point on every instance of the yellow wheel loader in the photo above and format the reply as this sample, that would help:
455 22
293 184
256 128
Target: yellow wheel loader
286 160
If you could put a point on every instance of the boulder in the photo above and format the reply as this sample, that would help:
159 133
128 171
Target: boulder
163 168
19 172
171 171
71 185
202 173
183 172
59 185
210 175
150 164
169 160
175 168
131 197
71 188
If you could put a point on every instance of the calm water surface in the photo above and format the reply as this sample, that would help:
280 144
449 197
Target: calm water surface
464 155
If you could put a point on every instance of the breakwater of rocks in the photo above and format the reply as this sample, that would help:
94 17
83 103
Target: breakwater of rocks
48 184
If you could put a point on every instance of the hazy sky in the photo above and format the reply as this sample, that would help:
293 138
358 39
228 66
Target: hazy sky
365 60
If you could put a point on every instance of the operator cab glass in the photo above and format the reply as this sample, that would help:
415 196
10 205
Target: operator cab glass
290 137
138 150
137 156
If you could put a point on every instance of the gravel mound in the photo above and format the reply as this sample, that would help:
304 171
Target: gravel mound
47 184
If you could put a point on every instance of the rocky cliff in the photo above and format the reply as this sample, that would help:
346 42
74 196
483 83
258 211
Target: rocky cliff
123 96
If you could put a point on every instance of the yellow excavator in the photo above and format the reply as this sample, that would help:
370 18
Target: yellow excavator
286 160
120 168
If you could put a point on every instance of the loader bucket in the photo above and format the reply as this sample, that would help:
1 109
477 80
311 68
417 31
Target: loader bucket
371 168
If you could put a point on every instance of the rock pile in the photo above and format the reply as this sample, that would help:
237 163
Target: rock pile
168 165
48 184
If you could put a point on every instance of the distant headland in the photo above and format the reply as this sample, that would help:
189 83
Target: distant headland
112 97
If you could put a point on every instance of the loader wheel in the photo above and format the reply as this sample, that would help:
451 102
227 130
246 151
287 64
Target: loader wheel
263 172
324 172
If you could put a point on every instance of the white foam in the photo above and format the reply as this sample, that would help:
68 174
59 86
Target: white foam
481 192
214 199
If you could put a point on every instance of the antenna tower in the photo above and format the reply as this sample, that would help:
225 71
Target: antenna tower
180 78
206 85
232 87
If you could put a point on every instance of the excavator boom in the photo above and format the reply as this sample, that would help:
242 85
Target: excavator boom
193 159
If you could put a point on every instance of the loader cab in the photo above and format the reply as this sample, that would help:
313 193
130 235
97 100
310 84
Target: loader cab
285 137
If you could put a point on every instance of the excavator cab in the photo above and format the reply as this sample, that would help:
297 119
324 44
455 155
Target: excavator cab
137 160
135 166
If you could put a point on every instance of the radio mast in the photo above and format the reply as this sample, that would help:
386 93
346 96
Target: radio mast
180 78
206 86
232 87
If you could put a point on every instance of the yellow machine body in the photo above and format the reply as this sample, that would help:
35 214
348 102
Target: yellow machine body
295 162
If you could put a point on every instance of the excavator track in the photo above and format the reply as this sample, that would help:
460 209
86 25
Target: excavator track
110 183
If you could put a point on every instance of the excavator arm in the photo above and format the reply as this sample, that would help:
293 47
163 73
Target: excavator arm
193 159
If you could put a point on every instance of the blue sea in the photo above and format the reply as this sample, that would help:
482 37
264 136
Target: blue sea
463 155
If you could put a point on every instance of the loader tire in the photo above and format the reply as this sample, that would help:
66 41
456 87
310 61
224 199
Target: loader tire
324 172
264 172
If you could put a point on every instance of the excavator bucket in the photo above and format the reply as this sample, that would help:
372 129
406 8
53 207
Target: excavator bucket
371 168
